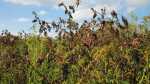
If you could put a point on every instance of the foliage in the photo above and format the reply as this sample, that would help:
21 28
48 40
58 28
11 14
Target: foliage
99 51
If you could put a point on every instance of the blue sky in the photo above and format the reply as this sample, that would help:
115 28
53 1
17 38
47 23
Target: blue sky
16 15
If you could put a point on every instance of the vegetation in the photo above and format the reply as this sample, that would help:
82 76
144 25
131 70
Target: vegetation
98 51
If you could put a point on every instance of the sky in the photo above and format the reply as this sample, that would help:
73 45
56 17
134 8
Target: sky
16 15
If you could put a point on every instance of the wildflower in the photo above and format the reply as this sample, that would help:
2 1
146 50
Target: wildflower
65 71
113 13
72 8
62 4
94 13
125 21
136 43
77 2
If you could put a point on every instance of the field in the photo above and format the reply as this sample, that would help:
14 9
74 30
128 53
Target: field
113 51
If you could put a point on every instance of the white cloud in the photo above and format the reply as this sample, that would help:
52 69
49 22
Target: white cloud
31 2
84 12
86 2
125 6
23 19
134 4
42 12
130 9
137 2
84 9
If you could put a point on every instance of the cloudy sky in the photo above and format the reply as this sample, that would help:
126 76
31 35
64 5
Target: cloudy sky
16 15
